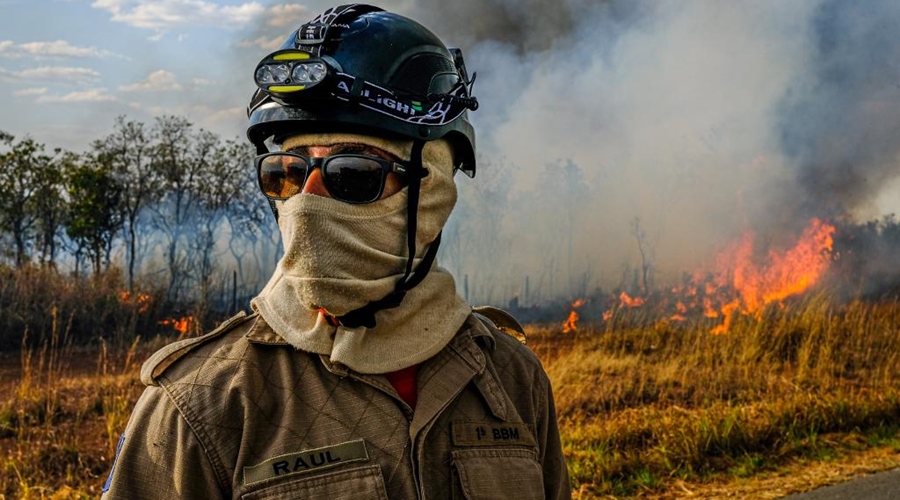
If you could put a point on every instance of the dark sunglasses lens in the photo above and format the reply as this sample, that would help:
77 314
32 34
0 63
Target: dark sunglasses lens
354 179
282 176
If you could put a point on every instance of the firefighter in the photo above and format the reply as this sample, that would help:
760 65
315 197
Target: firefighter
360 372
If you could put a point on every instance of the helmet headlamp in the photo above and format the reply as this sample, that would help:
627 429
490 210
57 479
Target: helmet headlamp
357 67
285 73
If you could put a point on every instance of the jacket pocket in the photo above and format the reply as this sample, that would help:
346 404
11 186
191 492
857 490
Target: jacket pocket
499 474
363 483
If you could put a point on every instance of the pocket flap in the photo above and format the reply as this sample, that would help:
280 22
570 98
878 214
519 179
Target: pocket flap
499 474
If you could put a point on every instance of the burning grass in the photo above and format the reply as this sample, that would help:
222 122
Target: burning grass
641 406
645 406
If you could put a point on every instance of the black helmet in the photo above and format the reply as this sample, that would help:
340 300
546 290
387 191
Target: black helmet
361 69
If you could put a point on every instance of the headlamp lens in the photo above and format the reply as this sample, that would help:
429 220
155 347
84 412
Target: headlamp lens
317 71
309 72
264 76
301 73
287 72
281 73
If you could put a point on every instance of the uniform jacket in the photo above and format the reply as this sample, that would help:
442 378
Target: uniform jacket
239 413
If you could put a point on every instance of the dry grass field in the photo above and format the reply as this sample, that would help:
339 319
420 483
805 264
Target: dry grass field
647 408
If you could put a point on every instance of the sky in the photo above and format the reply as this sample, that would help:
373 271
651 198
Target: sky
69 67
700 118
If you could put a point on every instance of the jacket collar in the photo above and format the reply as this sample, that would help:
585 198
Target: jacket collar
261 333
441 378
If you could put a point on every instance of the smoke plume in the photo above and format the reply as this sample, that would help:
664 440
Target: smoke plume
620 137
689 123
840 122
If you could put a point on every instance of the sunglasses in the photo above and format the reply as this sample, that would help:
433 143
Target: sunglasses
351 178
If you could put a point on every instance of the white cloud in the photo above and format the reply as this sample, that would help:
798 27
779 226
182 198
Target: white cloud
28 92
264 42
58 48
158 81
288 15
165 14
91 95
283 18
57 74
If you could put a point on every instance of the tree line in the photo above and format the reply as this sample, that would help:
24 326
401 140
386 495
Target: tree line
176 210
173 205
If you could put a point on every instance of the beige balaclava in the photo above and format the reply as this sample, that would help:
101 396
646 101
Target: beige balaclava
340 256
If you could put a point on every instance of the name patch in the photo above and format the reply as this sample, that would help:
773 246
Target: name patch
479 434
307 461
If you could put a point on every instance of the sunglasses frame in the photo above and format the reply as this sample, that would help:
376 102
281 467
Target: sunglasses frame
313 163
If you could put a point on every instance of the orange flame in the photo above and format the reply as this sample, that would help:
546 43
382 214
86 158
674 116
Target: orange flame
785 274
708 310
571 323
728 311
627 301
182 325
743 283
142 300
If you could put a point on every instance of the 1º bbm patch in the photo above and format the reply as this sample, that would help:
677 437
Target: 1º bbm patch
307 461
490 434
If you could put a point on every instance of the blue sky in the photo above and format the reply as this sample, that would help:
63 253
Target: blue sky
69 67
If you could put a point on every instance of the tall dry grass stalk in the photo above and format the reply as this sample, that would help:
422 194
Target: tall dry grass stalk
116 391
57 422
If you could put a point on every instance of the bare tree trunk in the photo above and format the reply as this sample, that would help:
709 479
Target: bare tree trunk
19 235
644 249
132 250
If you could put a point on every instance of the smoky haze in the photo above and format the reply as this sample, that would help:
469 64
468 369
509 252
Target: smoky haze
840 122
527 26
616 134
690 123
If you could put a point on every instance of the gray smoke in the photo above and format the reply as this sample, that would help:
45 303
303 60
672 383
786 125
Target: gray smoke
840 123
612 129
527 26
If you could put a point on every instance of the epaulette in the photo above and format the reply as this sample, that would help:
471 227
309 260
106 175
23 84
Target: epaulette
502 320
162 359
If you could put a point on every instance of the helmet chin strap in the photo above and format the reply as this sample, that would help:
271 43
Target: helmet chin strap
365 315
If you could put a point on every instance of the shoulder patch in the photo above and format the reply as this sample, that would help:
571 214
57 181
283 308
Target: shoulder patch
502 320
168 355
